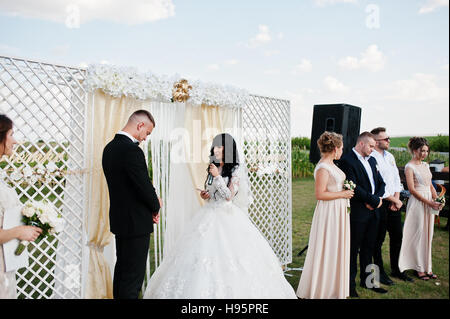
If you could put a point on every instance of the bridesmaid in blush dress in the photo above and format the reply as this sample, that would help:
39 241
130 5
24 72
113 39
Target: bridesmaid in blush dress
418 229
327 266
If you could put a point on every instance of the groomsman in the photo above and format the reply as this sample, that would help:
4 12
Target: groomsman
390 215
361 168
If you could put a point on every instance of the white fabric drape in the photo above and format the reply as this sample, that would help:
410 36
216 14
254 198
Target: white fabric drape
189 159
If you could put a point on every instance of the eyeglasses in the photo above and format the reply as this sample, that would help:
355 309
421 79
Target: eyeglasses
387 139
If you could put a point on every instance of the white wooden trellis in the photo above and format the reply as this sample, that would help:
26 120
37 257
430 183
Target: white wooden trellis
267 147
47 104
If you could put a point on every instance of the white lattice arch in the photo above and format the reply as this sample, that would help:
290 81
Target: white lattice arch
48 104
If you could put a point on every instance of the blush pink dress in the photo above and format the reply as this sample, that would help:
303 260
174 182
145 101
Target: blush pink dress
326 270
418 228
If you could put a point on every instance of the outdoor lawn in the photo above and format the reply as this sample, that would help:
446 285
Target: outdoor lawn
303 204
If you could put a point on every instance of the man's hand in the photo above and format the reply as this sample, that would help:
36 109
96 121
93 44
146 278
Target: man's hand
396 205
381 202
393 207
156 218
369 207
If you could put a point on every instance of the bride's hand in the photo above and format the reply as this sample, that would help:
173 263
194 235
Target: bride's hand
213 170
204 194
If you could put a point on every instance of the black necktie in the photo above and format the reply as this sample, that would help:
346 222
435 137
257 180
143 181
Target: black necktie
137 143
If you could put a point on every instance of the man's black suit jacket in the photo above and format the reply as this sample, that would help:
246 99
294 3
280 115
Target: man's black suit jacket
133 199
355 171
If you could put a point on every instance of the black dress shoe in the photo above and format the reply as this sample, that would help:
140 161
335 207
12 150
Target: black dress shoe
385 280
402 276
353 293
374 289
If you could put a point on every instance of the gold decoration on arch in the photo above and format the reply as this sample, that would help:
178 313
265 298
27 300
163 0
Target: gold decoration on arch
180 91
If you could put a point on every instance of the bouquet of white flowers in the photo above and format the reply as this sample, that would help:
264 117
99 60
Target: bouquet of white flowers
44 216
349 185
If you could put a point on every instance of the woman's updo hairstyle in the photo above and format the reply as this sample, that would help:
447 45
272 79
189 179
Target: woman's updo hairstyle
416 143
328 141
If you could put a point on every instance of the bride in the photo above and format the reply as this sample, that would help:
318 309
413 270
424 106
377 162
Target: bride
220 254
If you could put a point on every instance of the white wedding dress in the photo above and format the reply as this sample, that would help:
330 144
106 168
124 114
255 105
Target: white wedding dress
220 255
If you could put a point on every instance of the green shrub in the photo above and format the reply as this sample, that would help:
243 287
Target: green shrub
301 166
301 142
439 143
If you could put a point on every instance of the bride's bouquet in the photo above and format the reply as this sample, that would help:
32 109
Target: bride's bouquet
349 185
440 199
44 216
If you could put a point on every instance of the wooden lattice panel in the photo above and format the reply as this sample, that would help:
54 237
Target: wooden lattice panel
48 104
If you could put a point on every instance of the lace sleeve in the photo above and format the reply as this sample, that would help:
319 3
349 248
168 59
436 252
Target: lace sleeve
227 192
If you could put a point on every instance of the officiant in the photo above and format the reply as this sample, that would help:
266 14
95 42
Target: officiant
10 204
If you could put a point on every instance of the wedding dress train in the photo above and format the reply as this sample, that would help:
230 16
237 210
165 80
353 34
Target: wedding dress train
221 254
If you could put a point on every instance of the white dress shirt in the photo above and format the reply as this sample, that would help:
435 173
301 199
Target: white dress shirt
129 136
366 164
389 171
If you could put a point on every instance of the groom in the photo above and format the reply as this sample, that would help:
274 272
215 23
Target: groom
134 205
362 169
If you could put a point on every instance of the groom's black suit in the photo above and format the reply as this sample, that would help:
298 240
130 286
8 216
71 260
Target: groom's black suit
363 221
133 201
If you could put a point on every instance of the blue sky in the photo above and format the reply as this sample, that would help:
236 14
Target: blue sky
389 57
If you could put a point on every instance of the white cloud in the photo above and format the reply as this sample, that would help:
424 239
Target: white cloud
271 52
420 87
323 3
272 71
371 59
232 62
300 95
61 50
334 85
9 50
304 66
432 5
263 37
213 67
82 11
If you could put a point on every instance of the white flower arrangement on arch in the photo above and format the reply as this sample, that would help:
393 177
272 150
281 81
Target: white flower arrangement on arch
127 81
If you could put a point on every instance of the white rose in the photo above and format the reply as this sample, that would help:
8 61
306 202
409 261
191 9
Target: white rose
44 218
28 211
27 171
51 167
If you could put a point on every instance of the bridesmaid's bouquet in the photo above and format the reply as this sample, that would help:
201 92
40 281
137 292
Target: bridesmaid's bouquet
440 199
44 216
349 185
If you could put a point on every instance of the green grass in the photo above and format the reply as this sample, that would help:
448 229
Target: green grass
303 204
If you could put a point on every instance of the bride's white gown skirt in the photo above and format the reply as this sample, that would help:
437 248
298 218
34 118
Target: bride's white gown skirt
221 254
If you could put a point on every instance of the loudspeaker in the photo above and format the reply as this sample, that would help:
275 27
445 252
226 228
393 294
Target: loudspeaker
344 119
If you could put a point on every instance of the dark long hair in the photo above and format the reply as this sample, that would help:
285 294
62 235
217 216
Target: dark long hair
230 153
5 125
